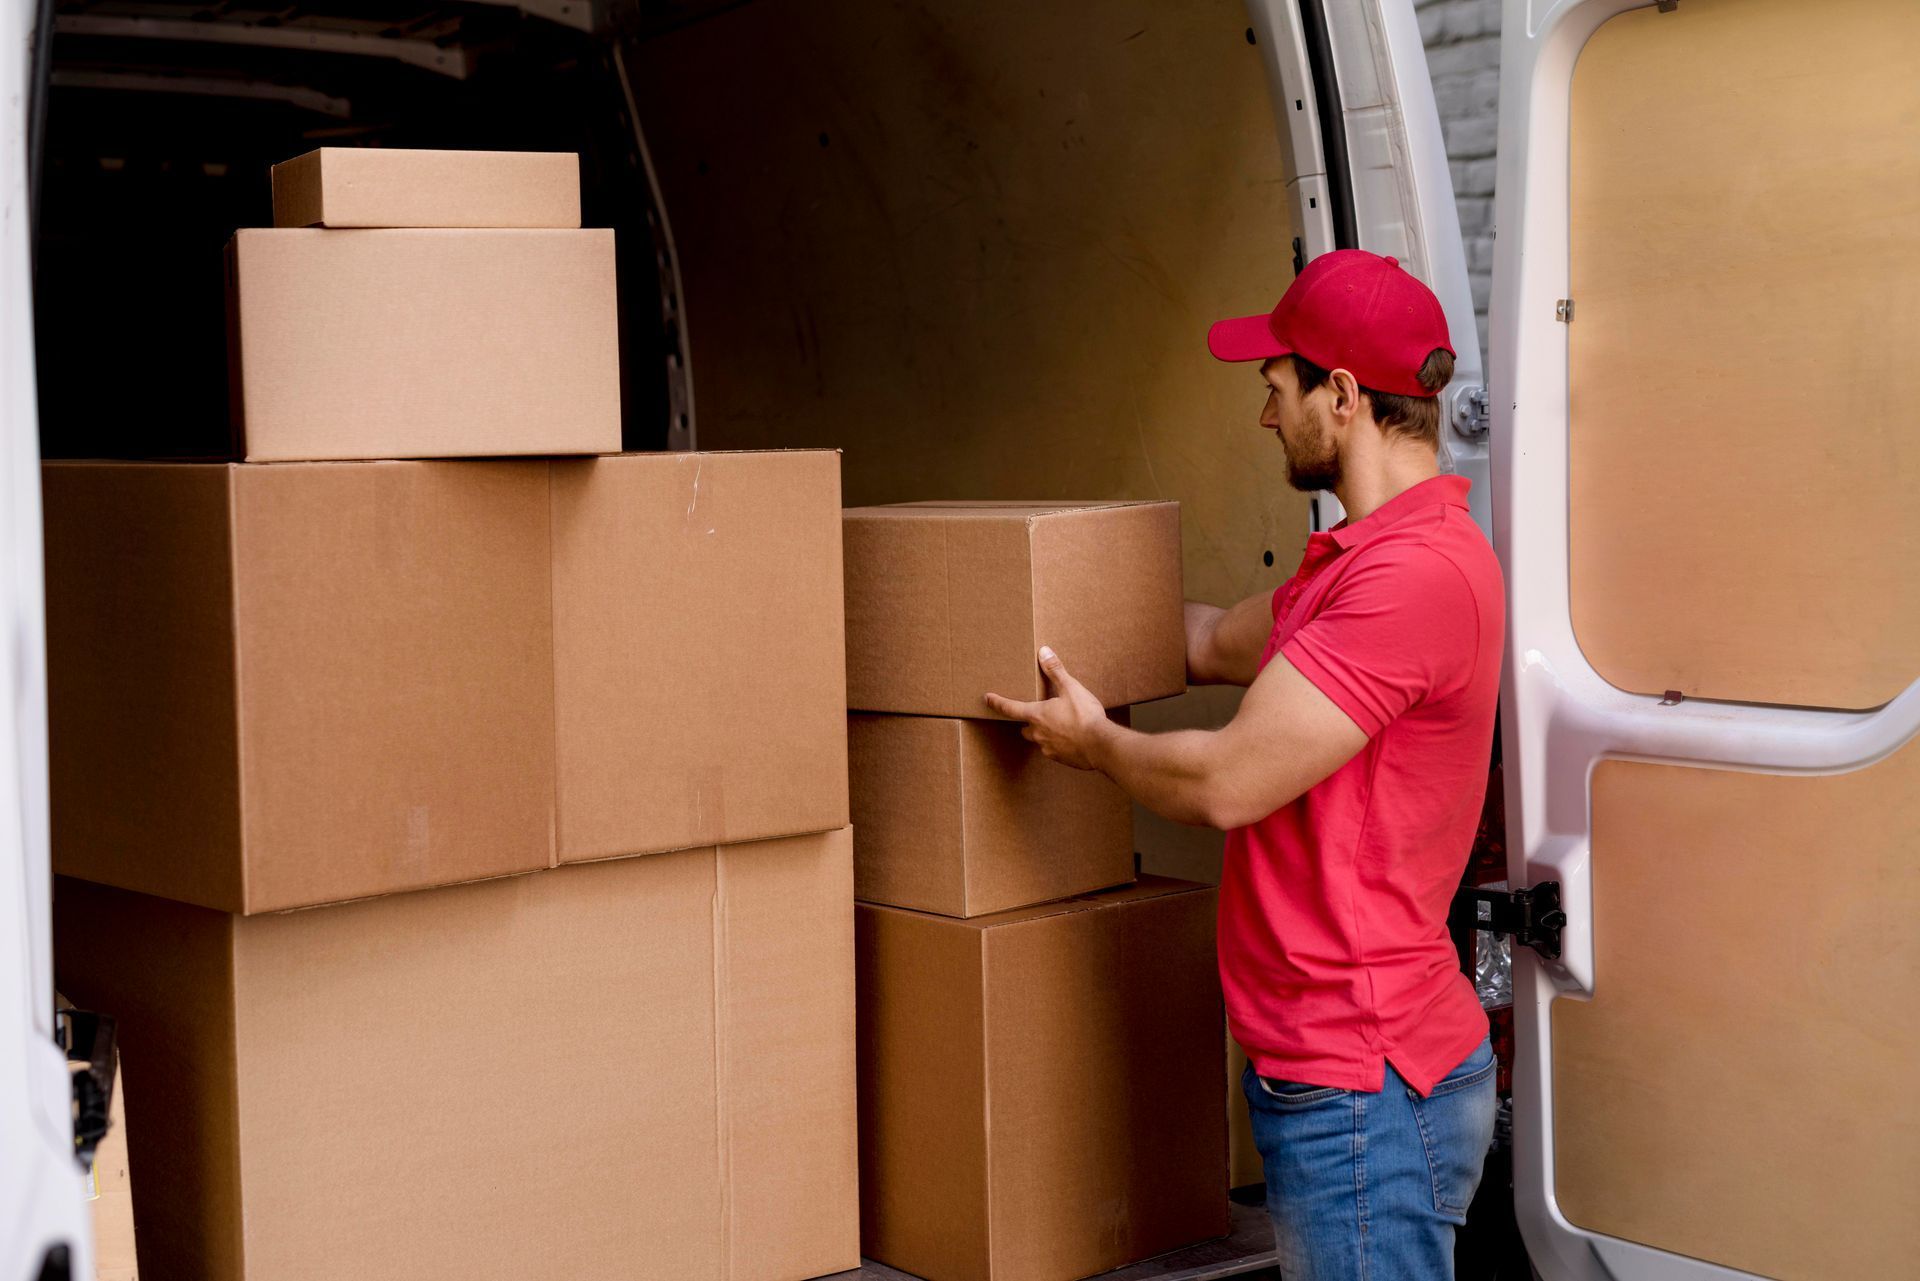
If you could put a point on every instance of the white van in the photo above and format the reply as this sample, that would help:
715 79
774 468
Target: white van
976 245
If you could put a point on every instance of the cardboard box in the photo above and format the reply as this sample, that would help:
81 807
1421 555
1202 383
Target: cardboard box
274 687
382 187
423 344
949 601
640 1068
1040 1090
965 817
700 649
270 687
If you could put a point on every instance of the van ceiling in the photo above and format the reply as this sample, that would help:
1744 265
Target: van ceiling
161 123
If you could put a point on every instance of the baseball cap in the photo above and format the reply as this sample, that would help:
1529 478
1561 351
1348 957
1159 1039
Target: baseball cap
1352 310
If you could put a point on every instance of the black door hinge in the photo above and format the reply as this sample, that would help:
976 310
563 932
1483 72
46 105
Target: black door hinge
1532 916
88 1039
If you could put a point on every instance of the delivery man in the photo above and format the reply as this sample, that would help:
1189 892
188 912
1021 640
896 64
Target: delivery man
1349 783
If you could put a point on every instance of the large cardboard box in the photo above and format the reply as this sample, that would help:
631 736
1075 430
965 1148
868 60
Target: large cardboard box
965 817
274 687
423 344
949 601
1040 1090
699 635
392 187
639 1068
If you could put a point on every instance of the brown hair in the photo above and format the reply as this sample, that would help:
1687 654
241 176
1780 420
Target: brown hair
1415 417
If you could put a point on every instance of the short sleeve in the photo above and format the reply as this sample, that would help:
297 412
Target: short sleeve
1399 628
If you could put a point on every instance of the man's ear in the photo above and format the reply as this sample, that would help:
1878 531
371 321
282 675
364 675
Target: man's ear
1343 400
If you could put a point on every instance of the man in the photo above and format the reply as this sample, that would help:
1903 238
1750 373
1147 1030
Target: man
1350 782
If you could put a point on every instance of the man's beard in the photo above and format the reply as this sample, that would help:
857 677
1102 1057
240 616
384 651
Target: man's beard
1313 463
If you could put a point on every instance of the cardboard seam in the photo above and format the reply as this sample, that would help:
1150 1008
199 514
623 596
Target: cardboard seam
243 816
986 1094
1036 683
723 1091
946 576
231 926
553 675
966 845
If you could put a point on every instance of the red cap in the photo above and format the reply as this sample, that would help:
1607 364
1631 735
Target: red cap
1352 310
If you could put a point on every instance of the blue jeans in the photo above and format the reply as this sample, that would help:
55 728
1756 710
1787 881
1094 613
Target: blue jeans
1370 1187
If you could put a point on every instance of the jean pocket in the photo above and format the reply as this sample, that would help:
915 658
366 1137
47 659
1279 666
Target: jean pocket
1294 1094
1479 1066
1456 1129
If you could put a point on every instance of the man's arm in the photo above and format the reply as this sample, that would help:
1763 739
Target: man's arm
1286 737
1224 645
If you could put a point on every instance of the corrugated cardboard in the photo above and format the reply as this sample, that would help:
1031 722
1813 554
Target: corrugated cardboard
639 1068
949 601
965 817
274 687
277 686
699 641
1040 1090
381 187
424 344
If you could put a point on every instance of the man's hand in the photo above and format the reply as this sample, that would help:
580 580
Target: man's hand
1067 727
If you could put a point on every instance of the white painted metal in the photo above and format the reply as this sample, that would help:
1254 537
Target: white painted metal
1402 186
367 39
1296 116
41 1188
1560 716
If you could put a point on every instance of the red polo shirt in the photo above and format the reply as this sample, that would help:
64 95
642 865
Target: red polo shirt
1334 951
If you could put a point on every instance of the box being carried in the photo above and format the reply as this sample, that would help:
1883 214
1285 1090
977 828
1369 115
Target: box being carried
949 601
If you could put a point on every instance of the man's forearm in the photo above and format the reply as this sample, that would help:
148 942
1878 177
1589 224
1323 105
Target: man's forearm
1171 774
1201 621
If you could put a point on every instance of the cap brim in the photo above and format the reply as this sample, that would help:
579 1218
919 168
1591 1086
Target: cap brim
1245 338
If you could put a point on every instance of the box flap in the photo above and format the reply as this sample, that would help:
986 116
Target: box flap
783 914
923 1093
1036 830
907 781
699 650
140 678
393 661
165 971
1107 1056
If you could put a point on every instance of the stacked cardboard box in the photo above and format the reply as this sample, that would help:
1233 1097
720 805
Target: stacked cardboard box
1041 1046
351 756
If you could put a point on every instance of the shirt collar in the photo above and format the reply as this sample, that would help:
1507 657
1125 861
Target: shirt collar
1448 490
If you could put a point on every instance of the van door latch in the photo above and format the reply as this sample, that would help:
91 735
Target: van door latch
1533 916
1471 416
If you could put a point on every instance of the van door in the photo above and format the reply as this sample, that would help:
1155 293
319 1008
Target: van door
1706 309
44 1233
1367 169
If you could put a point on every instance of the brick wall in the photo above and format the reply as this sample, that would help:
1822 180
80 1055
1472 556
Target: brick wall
1463 56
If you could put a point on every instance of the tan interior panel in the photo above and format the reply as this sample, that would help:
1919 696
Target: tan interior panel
1745 350
1741 1087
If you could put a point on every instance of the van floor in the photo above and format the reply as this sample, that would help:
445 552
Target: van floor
1247 1251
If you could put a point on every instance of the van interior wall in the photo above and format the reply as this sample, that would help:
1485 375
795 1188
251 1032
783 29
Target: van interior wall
976 244
158 149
